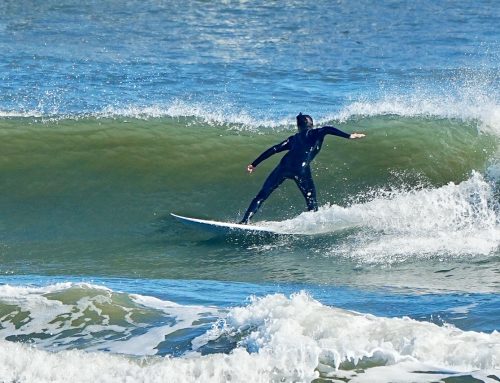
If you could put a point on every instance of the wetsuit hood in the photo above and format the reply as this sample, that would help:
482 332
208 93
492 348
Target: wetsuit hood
304 122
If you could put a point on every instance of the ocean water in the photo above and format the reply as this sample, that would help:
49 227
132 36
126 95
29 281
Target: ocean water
115 114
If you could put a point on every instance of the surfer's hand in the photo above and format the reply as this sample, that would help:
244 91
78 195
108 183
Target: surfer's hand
356 135
250 168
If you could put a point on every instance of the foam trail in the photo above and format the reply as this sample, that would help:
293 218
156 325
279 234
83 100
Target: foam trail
454 219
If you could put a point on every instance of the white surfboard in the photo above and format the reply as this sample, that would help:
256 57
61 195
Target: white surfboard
225 228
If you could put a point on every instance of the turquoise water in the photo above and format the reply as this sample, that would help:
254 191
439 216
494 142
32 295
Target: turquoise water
114 115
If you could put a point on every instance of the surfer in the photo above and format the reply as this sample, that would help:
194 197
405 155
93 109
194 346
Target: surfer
295 165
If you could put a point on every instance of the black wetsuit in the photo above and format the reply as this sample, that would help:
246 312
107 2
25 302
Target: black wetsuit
302 148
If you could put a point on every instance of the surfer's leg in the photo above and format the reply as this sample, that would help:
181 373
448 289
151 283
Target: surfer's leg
306 186
274 180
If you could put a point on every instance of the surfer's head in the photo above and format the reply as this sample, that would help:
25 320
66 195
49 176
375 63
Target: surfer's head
304 122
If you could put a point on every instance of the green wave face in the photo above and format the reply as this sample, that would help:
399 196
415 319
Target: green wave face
103 188
175 156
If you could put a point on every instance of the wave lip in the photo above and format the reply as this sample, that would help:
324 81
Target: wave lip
468 102
11 114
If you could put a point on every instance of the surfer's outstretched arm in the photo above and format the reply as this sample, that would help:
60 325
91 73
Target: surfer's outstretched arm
337 132
282 146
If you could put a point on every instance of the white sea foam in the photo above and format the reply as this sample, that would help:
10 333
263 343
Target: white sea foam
282 339
454 219
276 322
67 315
